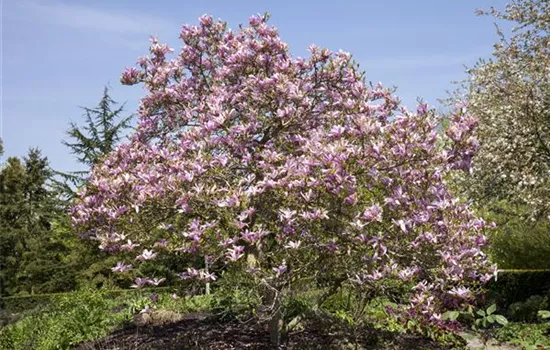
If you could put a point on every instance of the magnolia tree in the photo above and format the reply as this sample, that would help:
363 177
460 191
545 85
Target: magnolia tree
286 170
510 93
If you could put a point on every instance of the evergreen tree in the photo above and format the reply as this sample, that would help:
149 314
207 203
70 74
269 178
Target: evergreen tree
102 130
42 267
12 226
32 252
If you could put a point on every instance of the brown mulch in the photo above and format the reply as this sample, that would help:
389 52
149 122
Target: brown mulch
195 331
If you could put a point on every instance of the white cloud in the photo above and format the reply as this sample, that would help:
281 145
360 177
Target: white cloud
126 25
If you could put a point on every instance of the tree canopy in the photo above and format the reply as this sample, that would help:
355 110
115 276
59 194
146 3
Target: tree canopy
510 94
285 170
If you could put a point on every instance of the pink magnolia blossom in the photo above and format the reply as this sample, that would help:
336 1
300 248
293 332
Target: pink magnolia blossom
121 267
141 282
146 255
129 246
279 270
243 149
235 253
156 281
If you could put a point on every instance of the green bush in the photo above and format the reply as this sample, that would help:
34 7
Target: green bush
513 287
518 243
72 319
527 311
528 336
22 303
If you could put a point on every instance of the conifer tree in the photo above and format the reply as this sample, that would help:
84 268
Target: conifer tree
12 178
102 130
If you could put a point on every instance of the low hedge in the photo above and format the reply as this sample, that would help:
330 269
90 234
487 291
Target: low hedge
22 303
513 286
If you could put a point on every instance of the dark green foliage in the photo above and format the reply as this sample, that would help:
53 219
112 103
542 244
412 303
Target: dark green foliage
12 203
64 320
527 336
31 255
69 320
527 311
102 130
39 252
518 243
513 287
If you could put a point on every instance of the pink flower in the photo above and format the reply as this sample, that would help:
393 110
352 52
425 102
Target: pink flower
146 255
129 246
279 270
145 310
191 272
130 76
235 253
141 282
287 216
121 267
293 245
373 213
460 292
156 281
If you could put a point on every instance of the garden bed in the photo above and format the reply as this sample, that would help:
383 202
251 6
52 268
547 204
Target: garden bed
195 331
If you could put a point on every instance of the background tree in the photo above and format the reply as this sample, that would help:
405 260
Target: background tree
41 268
510 94
12 224
103 128
31 253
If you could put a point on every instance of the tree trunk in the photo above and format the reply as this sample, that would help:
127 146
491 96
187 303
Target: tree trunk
275 324
271 302
207 288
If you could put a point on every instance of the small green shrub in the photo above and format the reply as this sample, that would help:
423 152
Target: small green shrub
518 243
527 311
72 319
488 318
517 286
352 308
528 336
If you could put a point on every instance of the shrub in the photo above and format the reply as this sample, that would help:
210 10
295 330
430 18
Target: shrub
528 336
517 243
517 286
527 311
73 319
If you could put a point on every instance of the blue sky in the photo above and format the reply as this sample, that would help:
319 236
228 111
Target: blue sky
58 54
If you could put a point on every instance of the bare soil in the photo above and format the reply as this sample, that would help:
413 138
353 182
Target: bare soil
199 331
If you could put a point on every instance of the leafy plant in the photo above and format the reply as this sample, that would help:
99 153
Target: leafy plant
480 319
487 318
528 336
72 319
527 310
